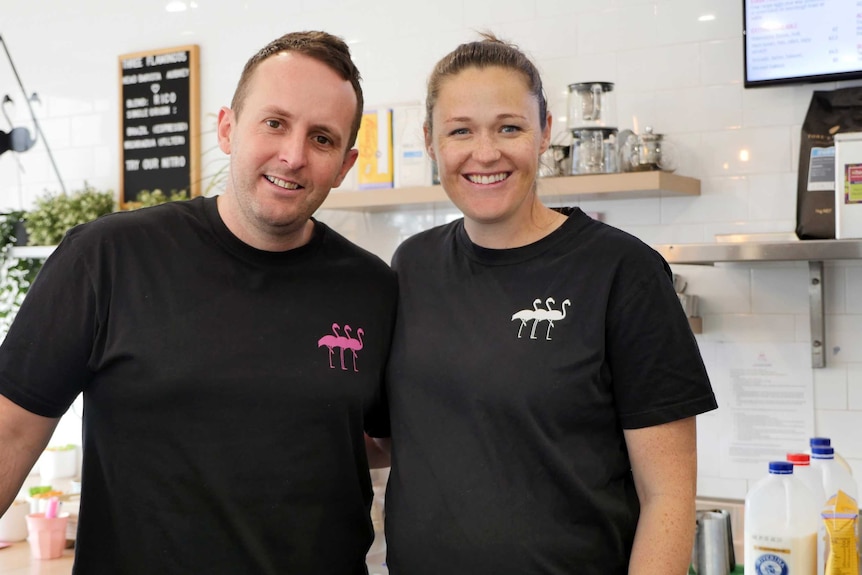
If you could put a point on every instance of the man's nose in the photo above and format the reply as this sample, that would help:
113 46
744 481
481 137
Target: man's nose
294 150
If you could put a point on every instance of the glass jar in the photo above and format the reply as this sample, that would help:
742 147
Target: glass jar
594 151
591 105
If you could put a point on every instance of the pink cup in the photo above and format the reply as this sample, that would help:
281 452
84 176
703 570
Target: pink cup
47 537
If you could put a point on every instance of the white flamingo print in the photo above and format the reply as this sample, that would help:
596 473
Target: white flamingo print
537 315
542 315
526 315
556 315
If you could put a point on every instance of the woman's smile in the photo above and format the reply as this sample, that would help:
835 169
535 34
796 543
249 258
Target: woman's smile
486 179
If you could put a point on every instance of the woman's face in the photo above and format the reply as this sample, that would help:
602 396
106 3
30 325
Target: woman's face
486 139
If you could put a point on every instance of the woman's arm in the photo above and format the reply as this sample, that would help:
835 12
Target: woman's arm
378 450
664 464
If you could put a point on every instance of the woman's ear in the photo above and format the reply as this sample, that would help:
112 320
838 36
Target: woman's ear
546 135
426 129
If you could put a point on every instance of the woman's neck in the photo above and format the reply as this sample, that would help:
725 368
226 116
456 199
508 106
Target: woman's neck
539 222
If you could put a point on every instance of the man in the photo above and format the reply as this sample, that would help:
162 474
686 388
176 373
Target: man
229 350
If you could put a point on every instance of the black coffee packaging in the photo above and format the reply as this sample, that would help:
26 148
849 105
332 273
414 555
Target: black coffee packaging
829 113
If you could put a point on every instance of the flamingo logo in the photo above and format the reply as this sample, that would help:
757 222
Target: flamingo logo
538 315
342 342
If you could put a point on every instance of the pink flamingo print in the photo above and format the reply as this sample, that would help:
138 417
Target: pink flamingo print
354 345
330 341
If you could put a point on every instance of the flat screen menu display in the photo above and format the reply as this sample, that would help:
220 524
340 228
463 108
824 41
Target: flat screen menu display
801 41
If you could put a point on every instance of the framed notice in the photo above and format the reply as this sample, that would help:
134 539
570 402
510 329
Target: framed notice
159 122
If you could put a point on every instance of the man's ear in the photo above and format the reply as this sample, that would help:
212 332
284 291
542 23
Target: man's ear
349 160
226 119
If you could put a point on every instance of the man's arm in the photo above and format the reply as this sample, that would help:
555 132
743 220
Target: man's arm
378 451
664 464
23 437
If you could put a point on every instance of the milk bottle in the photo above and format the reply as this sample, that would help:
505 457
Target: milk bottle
781 524
813 480
826 442
810 476
833 475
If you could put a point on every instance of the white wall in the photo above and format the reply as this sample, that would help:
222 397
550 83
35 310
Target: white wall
672 71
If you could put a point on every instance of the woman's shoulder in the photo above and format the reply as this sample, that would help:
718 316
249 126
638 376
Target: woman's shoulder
608 247
431 238
599 233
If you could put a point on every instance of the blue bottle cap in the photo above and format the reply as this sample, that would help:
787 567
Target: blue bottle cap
781 467
823 452
820 441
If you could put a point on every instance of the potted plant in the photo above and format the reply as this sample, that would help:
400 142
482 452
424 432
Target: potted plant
45 224
55 214
147 198
16 274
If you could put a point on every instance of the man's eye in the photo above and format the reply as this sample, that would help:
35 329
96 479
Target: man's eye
322 140
273 123
510 129
459 132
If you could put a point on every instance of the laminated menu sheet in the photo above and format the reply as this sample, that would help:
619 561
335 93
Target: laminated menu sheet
765 394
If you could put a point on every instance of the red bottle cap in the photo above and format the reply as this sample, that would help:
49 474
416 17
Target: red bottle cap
799 458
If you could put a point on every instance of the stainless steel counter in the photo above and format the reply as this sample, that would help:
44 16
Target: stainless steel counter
815 252
798 250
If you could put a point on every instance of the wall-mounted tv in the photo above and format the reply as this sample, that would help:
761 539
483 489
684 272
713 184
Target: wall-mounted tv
801 41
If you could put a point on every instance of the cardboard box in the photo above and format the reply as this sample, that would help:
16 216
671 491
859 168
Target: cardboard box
412 164
848 185
375 169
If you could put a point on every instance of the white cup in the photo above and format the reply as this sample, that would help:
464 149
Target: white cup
58 463
13 523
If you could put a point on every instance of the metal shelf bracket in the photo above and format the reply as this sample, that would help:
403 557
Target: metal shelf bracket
815 252
815 299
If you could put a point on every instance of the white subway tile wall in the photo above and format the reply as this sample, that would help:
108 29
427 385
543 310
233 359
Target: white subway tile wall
672 71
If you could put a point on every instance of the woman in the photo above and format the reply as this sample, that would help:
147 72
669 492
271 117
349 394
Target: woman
544 381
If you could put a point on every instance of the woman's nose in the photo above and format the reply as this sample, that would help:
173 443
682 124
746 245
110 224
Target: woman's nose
486 149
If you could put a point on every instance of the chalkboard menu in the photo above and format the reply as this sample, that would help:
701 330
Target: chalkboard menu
159 132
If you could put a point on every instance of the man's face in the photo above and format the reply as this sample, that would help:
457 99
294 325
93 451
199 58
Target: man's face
288 149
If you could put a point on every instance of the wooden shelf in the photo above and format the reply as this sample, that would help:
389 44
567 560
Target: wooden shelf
629 185
26 252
